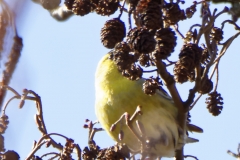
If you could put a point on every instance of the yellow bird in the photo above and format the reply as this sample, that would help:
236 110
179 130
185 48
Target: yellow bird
116 95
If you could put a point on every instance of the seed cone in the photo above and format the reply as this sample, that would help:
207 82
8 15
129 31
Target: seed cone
121 57
107 7
126 62
166 41
82 7
191 10
142 5
193 52
113 32
206 87
150 14
68 149
133 73
181 74
91 152
117 152
189 58
173 14
151 85
141 40
214 103
144 60
11 155
216 34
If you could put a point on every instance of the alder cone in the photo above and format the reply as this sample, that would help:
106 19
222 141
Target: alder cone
216 34
141 40
151 16
173 14
206 87
11 155
107 7
180 73
166 41
121 57
193 51
82 7
214 103
113 32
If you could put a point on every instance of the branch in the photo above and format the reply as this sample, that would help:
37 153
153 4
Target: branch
51 153
195 25
39 117
121 9
41 142
79 151
191 157
194 103
150 71
217 77
231 22
177 30
29 157
226 45
170 83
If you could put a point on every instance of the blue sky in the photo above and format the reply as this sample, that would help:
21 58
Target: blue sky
58 62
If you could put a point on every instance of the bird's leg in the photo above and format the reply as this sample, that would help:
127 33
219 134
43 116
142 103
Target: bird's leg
129 121
146 143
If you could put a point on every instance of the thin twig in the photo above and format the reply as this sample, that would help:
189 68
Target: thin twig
79 151
5 106
37 99
217 77
150 71
186 156
39 108
195 25
170 63
36 148
95 130
129 16
226 45
194 103
214 69
233 154
121 9
225 10
196 87
231 22
213 54
41 142
177 30
50 153
206 28
11 89
124 9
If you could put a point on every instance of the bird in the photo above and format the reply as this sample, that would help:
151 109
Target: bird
116 96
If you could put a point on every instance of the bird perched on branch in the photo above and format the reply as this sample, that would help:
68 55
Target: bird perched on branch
155 132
